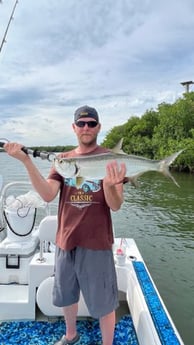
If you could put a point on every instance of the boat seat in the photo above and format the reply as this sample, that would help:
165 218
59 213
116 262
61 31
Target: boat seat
45 303
48 229
47 233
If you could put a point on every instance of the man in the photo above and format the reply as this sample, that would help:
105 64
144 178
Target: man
84 258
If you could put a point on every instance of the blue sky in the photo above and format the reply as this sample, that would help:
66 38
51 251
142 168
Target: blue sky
121 56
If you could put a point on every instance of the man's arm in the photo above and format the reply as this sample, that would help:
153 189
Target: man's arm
47 189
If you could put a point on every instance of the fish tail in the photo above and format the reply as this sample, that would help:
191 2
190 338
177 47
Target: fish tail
165 163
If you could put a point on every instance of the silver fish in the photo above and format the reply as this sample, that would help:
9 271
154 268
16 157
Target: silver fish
93 167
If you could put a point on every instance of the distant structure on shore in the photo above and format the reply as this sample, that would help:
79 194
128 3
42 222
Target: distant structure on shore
187 84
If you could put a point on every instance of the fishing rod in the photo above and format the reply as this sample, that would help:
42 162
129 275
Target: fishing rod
1 182
8 25
50 156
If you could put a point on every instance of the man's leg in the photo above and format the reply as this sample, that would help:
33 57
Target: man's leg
98 283
70 315
107 326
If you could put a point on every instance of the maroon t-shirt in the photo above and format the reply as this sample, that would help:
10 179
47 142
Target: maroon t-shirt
84 219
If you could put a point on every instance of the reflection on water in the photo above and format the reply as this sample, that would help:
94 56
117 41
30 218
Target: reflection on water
160 217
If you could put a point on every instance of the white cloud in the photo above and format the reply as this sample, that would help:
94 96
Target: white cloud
122 57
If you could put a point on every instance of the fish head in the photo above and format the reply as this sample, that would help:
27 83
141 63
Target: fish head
66 167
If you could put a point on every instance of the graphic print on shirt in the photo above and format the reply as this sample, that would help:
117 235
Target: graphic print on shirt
84 195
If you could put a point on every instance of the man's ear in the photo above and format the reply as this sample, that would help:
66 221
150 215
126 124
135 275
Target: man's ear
99 127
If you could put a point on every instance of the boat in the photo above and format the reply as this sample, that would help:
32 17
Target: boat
27 249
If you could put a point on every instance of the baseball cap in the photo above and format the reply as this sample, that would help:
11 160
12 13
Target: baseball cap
86 111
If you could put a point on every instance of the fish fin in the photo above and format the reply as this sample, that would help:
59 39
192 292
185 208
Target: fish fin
170 159
168 174
79 181
165 163
118 147
133 180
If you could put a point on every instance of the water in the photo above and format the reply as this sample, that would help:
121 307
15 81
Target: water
160 217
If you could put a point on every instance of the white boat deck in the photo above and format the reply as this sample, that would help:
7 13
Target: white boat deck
19 301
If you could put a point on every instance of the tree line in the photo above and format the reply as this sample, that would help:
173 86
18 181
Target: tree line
159 133
156 134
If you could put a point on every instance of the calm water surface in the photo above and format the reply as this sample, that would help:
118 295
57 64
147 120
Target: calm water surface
160 217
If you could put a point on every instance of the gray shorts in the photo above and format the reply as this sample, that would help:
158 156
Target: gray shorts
92 272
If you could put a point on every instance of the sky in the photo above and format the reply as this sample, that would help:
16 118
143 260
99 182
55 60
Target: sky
122 57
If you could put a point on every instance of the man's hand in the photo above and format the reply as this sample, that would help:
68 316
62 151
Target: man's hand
15 150
115 173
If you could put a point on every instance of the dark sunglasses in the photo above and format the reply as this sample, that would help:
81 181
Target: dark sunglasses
90 124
